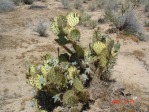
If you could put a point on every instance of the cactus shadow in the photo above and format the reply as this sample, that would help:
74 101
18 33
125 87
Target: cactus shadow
45 101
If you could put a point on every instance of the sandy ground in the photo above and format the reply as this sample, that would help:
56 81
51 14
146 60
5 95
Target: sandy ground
18 43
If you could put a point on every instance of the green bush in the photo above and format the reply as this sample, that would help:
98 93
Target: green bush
63 79
6 5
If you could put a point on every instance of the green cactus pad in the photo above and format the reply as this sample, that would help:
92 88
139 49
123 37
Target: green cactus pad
78 84
56 77
54 28
61 21
73 19
110 44
31 81
104 58
72 70
37 81
44 71
69 98
117 46
74 35
79 50
32 69
98 47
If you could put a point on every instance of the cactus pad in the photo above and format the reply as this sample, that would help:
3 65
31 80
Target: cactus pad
56 77
61 21
71 72
32 69
69 98
78 84
54 28
104 58
110 44
73 19
74 35
98 47
79 50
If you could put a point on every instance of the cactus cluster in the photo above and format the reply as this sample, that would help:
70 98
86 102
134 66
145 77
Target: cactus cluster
65 77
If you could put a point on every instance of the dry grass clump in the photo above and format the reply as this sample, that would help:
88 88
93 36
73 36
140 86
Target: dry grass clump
84 19
124 18
147 7
65 3
92 6
77 4
6 6
42 27
93 24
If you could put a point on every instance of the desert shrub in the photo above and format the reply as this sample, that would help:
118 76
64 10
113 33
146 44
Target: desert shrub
111 4
125 19
6 5
41 28
65 3
92 6
17 2
93 23
64 80
84 19
147 7
148 15
147 23
77 4
28 1
102 20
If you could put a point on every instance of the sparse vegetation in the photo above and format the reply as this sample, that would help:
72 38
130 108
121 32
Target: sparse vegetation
6 6
28 1
147 23
93 23
77 4
65 3
93 6
17 2
42 27
147 7
84 19
125 19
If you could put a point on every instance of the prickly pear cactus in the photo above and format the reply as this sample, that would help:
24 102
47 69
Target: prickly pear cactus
74 35
69 98
98 47
72 71
65 78
73 18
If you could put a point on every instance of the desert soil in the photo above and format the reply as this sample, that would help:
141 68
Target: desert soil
19 43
